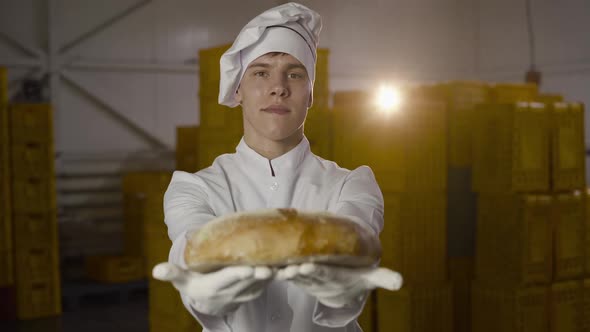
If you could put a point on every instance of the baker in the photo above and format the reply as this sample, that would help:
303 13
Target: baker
269 70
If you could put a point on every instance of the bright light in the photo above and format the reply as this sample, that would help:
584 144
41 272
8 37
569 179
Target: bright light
388 99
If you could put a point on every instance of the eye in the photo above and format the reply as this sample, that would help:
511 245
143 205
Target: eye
295 75
261 73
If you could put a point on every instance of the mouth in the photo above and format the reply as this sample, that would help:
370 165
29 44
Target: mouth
276 110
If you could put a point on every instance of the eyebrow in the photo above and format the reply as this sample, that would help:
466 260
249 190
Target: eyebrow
266 65
263 65
296 65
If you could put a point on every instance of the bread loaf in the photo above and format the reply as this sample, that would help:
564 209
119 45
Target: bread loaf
280 237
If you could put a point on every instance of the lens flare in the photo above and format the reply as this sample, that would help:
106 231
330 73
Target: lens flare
388 99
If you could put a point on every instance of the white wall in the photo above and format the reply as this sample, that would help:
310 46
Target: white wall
370 41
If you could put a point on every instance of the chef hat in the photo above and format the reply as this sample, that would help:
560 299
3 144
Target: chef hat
290 28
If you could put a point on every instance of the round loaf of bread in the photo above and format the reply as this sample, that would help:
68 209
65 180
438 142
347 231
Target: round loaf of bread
280 237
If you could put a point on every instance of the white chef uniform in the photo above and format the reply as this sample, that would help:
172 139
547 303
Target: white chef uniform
244 181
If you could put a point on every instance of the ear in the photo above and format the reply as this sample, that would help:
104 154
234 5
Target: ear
238 96
310 101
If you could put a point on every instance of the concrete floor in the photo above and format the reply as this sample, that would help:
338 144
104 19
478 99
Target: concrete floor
95 317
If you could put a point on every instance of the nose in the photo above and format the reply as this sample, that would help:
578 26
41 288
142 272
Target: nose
279 88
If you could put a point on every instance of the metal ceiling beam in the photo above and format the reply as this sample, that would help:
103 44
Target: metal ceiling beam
53 68
134 67
26 63
114 113
80 39
21 45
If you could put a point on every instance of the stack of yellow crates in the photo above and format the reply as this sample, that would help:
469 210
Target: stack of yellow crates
34 211
131 265
407 151
220 127
114 268
146 234
319 124
187 148
461 98
6 251
143 204
529 172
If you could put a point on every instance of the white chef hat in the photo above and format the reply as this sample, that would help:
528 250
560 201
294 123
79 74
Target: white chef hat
290 28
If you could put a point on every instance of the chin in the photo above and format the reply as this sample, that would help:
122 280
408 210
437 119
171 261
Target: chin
279 135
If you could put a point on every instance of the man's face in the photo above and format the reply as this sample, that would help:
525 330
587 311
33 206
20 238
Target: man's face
275 94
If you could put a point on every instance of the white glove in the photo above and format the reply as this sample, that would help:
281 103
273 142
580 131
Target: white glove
338 287
219 292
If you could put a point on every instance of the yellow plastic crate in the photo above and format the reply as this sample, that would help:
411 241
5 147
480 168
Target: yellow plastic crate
209 67
511 93
6 259
6 267
31 123
157 248
187 148
416 249
586 320
35 230
549 98
164 299
133 207
568 146
182 321
5 175
514 239
220 120
3 86
355 99
38 299
187 161
461 276
187 138
32 160
155 224
497 308
406 149
368 317
321 83
318 130
114 269
143 203
511 148
320 146
36 264
166 311
569 251
587 236
463 98
153 210
146 181
33 195
212 147
429 92
420 309
567 307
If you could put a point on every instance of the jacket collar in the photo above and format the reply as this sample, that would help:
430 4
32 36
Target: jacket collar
285 164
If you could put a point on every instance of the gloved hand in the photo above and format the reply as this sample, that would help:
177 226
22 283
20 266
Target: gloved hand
219 292
338 287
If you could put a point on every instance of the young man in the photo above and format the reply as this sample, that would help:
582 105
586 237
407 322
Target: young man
269 71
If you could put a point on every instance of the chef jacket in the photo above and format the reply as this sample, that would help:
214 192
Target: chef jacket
247 181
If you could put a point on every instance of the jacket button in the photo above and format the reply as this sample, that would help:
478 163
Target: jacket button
274 186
